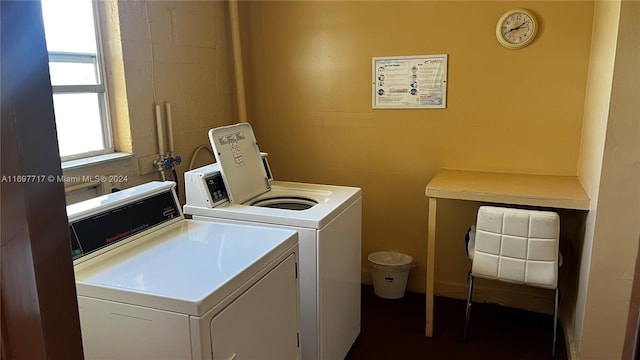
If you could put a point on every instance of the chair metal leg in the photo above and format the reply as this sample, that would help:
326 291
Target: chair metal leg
468 313
555 323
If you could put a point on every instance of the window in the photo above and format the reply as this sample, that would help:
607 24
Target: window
77 77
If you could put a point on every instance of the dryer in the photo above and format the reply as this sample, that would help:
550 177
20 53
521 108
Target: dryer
239 189
154 285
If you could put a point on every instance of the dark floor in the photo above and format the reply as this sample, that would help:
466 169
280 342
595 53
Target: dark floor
394 329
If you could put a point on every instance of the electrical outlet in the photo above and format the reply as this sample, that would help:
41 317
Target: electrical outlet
146 164
113 183
108 184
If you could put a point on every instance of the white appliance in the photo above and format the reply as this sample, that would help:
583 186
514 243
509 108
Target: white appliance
239 190
153 285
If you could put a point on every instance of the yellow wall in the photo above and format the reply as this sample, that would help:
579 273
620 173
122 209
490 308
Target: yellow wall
309 100
307 68
597 102
168 51
613 230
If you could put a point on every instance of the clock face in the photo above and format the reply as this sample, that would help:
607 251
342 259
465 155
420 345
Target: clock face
516 29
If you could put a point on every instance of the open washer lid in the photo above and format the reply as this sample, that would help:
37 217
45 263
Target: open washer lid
236 150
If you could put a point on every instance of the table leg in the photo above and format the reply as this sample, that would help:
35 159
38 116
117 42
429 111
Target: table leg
431 247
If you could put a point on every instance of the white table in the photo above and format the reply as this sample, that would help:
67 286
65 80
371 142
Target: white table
562 192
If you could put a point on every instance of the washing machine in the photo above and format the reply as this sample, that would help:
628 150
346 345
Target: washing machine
239 189
154 285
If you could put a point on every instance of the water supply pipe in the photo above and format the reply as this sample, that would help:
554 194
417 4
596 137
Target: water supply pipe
237 60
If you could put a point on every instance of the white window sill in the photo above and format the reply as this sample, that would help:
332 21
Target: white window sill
94 160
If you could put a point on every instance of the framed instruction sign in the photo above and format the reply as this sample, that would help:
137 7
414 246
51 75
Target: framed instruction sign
409 82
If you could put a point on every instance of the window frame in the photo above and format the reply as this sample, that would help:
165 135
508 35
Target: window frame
100 89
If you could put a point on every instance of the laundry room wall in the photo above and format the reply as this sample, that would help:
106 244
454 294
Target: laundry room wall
308 75
157 52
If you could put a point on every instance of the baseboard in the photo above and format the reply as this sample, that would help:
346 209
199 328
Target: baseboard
567 325
516 296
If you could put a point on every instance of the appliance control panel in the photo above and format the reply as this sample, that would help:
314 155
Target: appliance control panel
216 188
205 185
104 223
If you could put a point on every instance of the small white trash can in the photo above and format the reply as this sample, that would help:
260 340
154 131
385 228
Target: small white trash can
390 271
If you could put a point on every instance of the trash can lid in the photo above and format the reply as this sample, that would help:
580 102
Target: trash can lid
390 258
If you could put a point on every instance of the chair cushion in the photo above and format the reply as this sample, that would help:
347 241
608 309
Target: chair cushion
516 245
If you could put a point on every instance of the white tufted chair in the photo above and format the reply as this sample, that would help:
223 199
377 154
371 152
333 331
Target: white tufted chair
516 246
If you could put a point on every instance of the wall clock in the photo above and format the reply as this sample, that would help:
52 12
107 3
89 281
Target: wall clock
516 28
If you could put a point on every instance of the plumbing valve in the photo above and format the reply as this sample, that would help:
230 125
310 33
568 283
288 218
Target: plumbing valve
169 162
